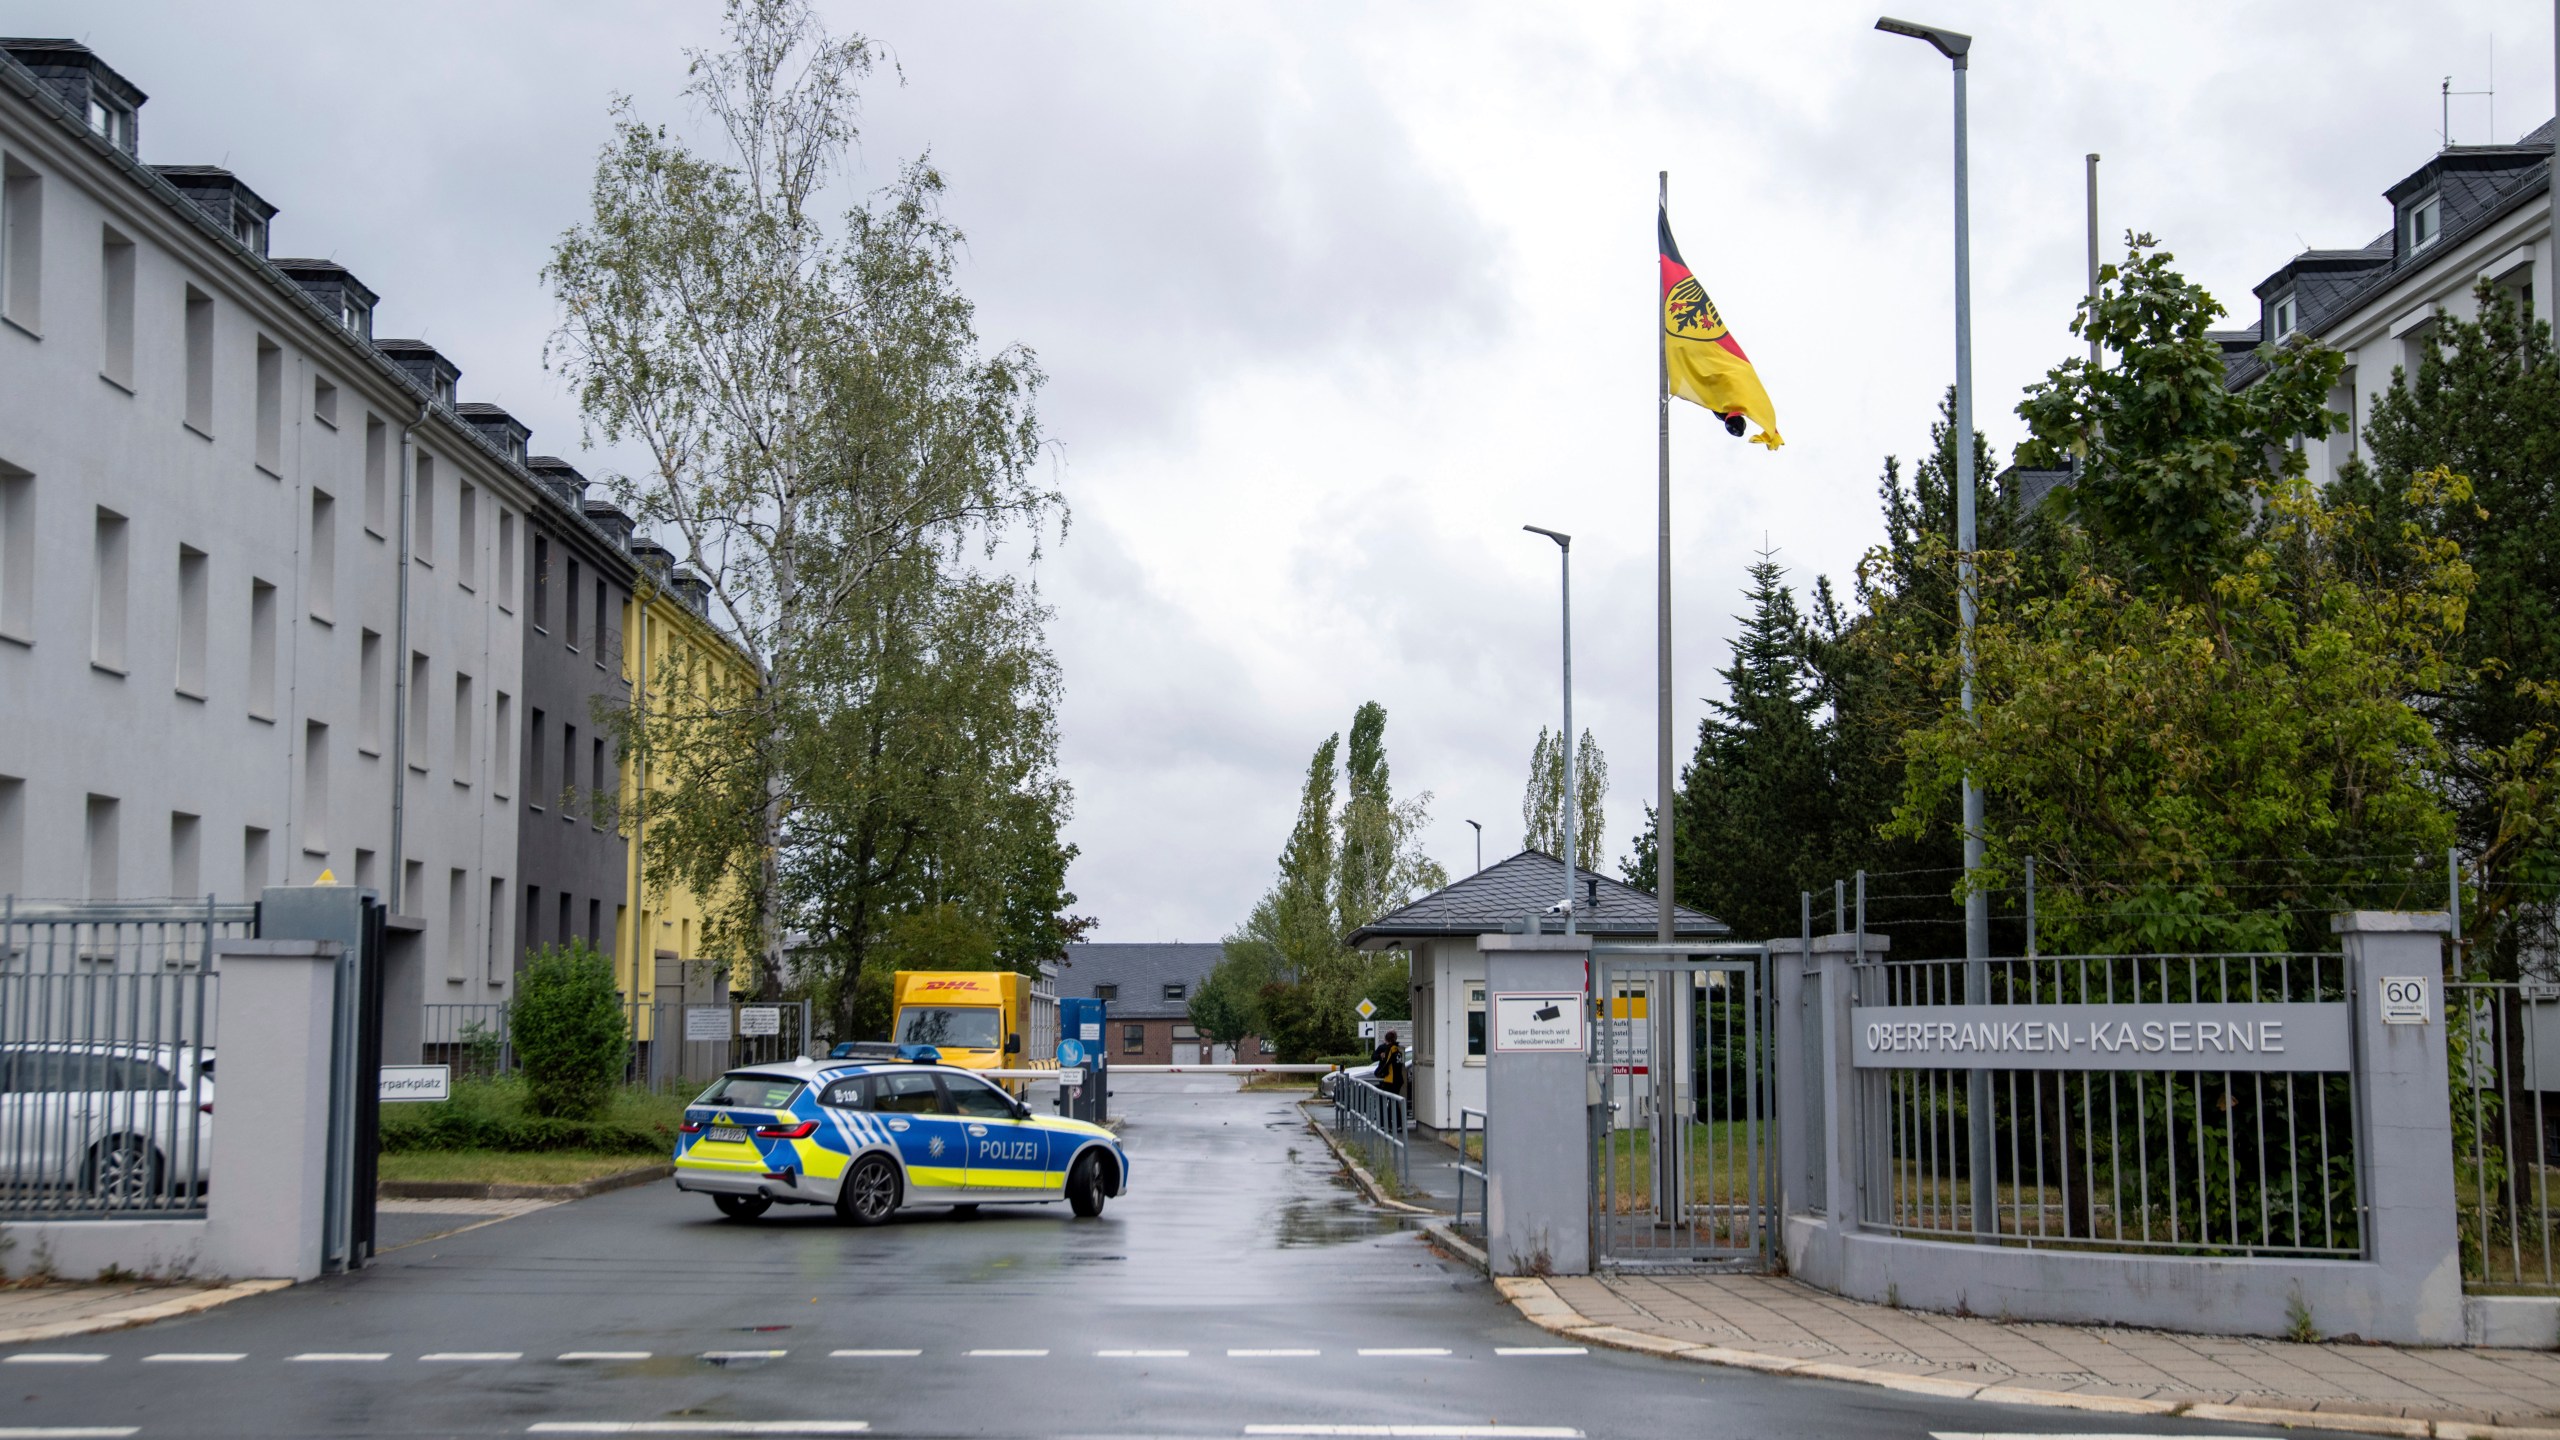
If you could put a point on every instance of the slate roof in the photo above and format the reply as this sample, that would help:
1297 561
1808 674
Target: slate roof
1503 894
1141 970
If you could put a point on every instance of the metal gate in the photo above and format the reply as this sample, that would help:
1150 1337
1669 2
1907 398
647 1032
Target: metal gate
1680 1171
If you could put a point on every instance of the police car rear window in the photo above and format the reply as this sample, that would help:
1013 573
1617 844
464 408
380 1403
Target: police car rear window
853 1092
753 1092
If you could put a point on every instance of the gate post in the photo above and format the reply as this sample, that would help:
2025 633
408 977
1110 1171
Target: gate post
1537 1104
2405 1112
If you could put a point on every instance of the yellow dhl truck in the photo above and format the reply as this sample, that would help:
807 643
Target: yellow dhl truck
978 1019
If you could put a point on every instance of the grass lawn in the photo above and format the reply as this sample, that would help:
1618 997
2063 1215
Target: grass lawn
502 1102
495 1167
1280 1082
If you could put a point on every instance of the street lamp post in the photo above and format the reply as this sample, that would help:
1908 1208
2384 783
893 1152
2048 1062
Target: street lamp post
1564 548
1977 906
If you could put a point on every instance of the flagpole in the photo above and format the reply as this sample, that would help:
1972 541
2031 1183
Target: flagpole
1662 823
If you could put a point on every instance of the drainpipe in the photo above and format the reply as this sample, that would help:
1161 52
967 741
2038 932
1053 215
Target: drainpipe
400 672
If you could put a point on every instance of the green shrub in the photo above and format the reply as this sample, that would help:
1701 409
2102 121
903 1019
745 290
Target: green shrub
496 1115
570 1036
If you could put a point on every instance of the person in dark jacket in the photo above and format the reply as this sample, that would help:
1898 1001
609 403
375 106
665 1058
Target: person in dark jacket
1392 1072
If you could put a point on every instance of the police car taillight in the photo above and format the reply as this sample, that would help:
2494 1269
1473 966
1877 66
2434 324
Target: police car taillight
693 1127
801 1131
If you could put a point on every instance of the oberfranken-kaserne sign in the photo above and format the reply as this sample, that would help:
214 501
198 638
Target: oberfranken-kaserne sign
2254 1037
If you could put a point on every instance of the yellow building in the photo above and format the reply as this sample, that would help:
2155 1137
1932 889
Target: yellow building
667 640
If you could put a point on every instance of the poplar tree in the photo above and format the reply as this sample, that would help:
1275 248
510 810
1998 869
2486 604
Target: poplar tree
1542 801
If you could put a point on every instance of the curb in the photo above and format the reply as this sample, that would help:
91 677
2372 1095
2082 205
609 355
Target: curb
140 1314
1539 1304
1369 1184
1446 1236
494 1190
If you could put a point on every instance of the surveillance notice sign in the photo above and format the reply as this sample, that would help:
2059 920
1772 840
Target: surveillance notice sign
1550 1022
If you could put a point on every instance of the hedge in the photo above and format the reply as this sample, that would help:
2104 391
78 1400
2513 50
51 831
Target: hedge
462 1130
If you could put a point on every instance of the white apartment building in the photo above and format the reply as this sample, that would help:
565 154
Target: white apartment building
2472 212
216 672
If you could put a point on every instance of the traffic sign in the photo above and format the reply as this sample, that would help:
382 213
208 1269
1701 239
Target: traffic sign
1367 1007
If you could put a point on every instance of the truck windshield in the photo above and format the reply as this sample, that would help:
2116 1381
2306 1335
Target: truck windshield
976 1028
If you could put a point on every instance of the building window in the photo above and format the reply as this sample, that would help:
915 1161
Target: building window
13 834
186 854
1133 1039
355 315
364 870
270 406
199 362
534 794
324 401
1174 991
595 920
532 916
595 786
100 838
254 874
462 728
457 926
490 969
369 693
506 559
542 583
112 123
17 554
324 557
107 579
1106 993
564 932
599 641
249 230
315 788
422 512
416 742
262 649
2423 224
195 607
377 473
1475 1024
466 537
413 889
569 630
21 245
115 308
1270 1049
2282 317
568 771
502 747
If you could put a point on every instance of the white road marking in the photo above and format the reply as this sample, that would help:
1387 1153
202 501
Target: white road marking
605 1355
1408 1352
52 1357
874 1354
1433 1432
744 1354
329 1356
1539 1350
1141 1354
695 1427
474 1355
193 1357
67 1432
2030 1435
1272 1354
1009 1354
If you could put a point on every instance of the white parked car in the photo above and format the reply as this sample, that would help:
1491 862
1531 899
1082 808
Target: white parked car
124 1125
1326 1082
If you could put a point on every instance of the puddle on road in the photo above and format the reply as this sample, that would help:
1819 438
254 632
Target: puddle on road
1333 1220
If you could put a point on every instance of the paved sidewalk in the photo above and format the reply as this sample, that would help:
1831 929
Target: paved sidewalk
50 1312
1774 1324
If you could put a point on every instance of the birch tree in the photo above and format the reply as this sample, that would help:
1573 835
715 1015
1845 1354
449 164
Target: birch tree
812 404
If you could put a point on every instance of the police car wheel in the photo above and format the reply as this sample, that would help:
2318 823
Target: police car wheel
870 1193
742 1207
1084 1186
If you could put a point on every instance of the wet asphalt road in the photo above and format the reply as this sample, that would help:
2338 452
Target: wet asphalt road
1237 1237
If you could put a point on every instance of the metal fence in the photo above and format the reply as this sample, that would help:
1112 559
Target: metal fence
2168 1160
1472 1159
1376 1121
106 1055
673 1046
2503 1042
1681 1171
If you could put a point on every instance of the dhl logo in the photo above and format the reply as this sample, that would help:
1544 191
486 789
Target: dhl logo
971 985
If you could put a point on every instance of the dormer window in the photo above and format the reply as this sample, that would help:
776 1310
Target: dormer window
356 316
2283 317
249 230
111 122
2421 224
444 391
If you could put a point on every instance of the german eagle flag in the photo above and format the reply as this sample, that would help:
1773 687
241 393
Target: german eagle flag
1702 360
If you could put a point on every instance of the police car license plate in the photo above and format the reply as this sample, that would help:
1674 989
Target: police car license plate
731 1133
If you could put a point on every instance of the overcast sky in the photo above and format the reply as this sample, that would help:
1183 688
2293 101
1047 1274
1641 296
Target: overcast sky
1336 297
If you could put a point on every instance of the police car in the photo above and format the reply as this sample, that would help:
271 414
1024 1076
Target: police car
870 1135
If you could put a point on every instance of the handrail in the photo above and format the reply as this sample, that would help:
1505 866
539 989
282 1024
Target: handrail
1382 1115
1466 1167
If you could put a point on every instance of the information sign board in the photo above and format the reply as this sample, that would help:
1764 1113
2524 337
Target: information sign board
759 1019
416 1082
706 1022
2404 999
2258 1037
1547 1021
